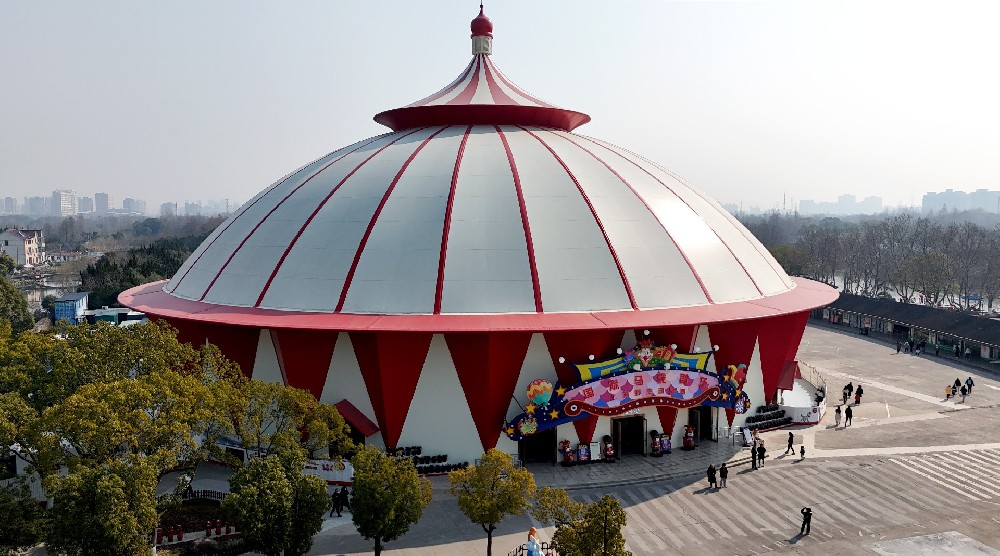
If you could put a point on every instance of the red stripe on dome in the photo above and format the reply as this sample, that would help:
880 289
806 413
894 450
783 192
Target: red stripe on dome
378 211
499 97
694 271
450 87
322 203
524 222
447 224
683 200
586 199
270 212
465 97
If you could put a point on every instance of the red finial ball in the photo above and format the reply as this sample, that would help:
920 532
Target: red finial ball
482 26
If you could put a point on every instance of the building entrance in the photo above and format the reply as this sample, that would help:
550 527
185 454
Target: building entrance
539 447
629 435
701 419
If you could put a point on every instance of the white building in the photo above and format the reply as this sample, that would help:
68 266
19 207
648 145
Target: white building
26 247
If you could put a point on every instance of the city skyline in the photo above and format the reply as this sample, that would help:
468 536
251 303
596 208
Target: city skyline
749 101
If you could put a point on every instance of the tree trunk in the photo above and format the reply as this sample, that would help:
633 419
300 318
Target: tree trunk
489 541
378 547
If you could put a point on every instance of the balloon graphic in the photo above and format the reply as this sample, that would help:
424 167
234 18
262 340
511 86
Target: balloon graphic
540 391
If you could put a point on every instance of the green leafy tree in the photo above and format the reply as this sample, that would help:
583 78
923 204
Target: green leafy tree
49 303
554 506
600 531
388 496
109 509
260 501
7 264
491 490
309 505
13 307
23 524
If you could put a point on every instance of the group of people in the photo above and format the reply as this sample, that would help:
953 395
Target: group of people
339 500
957 388
757 451
723 472
914 347
791 447
849 390
848 413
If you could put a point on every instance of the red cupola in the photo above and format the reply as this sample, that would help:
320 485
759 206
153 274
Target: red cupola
482 26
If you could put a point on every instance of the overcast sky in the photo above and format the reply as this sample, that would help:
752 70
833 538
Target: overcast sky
750 101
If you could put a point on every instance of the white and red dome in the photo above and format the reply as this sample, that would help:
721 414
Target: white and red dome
427 274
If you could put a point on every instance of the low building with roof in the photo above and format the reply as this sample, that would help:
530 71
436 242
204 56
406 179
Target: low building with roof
26 247
71 307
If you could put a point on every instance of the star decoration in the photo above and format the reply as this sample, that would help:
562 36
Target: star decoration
554 414
530 408
560 391
510 431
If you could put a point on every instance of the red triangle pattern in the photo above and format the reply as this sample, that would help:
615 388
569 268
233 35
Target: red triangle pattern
575 347
390 363
779 342
488 366
736 341
238 343
304 357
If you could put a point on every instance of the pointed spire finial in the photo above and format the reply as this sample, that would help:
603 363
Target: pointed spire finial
482 33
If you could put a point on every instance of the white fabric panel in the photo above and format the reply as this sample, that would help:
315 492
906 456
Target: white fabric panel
439 416
755 257
445 99
265 366
344 380
704 341
657 272
754 386
537 364
487 267
576 271
252 265
193 285
677 435
716 265
322 257
398 270
515 93
422 101
482 94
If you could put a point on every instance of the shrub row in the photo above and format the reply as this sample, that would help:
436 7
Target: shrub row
769 416
771 424
767 408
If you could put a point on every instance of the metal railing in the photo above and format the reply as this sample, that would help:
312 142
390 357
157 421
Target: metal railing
547 550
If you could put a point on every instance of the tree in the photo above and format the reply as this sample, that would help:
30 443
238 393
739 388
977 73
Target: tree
7 264
23 524
388 496
309 505
491 490
554 506
260 501
582 529
109 509
793 260
49 303
13 307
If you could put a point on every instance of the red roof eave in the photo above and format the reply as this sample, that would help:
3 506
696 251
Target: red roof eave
481 114
355 418
151 299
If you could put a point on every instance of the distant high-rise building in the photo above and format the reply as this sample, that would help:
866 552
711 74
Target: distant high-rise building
134 206
63 202
949 199
192 209
168 209
846 204
103 203
9 205
37 206
85 204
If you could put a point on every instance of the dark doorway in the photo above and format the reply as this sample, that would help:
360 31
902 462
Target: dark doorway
629 435
539 447
701 419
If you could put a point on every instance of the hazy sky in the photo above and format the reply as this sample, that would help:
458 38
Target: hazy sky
185 100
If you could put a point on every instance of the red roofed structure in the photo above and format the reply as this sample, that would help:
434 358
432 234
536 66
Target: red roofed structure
426 276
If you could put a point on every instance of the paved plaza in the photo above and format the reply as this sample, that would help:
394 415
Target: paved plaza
914 474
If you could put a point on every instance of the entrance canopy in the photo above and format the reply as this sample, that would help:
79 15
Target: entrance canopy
355 418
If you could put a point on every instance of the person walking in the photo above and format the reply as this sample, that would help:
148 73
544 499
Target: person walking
857 395
957 352
345 498
753 456
807 517
836 418
791 440
899 346
711 476
947 391
761 454
968 353
335 503
848 413
723 475
964 391
802 452
847 394
969 384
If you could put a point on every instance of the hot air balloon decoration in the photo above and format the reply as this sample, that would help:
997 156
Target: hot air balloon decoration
540 391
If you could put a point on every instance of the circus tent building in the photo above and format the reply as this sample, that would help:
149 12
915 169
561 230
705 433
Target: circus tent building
422 279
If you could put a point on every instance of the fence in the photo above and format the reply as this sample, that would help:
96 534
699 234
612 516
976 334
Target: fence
812 376
522 550
204 495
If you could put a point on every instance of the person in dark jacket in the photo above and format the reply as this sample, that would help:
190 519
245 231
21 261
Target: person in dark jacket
969 384
857 395
807 517
761 454
753 456
723 474
848 413
711 476
345 497
791 440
